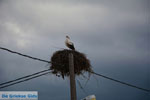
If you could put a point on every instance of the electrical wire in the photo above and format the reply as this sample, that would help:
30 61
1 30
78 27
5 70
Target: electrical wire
81 87
34 58
147 90
24 77
24 80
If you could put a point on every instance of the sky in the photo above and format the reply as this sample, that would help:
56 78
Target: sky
114 35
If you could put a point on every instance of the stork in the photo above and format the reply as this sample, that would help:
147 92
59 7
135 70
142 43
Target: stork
68 43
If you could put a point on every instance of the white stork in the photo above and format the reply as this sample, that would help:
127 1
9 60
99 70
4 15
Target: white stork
69 44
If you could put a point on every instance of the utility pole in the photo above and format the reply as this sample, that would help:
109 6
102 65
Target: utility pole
72 77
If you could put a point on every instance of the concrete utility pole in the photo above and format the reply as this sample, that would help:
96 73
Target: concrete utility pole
72 77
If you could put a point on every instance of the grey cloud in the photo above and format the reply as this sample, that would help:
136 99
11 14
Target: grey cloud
113 34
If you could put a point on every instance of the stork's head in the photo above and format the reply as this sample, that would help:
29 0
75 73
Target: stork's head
68 37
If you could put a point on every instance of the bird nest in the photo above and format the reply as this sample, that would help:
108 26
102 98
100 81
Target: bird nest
60 63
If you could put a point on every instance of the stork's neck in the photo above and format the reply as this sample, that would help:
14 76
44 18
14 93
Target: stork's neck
67 39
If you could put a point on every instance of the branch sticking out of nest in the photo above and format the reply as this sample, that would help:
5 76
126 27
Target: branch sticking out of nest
60 63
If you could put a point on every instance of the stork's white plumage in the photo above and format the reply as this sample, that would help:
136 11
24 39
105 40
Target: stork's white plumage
69 44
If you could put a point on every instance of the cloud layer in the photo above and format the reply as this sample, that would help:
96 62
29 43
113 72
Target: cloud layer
113 34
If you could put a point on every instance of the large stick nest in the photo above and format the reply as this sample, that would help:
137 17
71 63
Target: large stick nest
60 63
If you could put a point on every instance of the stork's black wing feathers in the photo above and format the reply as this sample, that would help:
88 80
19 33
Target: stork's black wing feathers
71 46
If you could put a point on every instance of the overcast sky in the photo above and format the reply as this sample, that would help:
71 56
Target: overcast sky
114 34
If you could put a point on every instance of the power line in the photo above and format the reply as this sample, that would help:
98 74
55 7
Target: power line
34 58
24 77
24 80
81 87
121 82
